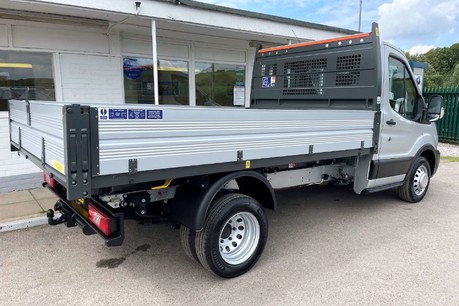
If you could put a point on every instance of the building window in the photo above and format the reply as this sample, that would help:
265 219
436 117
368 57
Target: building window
173 85
215 83
22 70
138 80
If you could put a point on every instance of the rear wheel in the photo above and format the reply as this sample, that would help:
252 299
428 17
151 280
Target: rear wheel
187 240
417 182
233 237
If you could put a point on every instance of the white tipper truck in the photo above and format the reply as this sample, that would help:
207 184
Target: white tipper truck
342 110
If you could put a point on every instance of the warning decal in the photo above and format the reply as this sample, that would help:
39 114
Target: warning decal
130 114
117 113
268 82
154 114
136 114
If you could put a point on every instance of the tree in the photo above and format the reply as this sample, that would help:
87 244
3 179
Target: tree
454 79
443 67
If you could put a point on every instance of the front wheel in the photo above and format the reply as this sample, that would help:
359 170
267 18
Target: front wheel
417 182
233 237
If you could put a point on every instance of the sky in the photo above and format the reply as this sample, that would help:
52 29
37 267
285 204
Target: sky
413 25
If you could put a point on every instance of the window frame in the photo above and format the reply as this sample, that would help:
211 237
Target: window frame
202 61
417 113
55 65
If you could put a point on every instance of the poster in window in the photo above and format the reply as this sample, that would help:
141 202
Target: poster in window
239 95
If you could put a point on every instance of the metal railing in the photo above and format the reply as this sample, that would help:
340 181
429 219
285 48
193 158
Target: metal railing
448 127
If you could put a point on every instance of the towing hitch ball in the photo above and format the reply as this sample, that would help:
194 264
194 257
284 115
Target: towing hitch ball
50 215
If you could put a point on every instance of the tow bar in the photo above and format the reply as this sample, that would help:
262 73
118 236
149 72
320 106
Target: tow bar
68 216
50 215
72 214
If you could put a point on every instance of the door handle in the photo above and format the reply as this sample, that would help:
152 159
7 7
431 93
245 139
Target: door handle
391 122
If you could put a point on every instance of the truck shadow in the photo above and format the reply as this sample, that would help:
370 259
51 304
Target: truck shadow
305 217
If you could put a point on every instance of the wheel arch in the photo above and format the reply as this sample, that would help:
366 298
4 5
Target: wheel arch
190 204
432 155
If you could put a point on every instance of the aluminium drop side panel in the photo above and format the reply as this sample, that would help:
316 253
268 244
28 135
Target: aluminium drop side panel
192 136
36 129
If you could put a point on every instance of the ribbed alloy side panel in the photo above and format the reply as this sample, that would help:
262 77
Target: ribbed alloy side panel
46 122
191 136
48 118
18 112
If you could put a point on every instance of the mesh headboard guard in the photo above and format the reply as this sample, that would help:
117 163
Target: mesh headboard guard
338 73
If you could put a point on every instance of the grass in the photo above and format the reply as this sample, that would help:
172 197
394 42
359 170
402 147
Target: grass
450 158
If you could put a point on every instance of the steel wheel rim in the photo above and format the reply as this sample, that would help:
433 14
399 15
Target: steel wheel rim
421 180
239 238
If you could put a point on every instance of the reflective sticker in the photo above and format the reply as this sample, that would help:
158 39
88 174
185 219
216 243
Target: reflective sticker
247 164
58 166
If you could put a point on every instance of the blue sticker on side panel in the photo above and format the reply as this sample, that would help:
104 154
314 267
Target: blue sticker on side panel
154 114
267 82
136 114
103 114
116 113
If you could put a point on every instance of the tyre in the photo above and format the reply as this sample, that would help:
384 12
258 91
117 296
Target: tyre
187 240
416 183
233 237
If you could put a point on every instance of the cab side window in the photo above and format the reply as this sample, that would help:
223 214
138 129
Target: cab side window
402 91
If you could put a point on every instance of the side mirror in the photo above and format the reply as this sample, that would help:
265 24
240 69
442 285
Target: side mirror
436 109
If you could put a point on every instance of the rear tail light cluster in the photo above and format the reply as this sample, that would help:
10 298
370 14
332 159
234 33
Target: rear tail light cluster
48 179
100 220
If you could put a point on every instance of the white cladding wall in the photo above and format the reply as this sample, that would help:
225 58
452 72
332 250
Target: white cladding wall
91 78
202 51
3 35
62 38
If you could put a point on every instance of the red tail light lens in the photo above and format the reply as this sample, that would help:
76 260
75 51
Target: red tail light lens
47 178
100 220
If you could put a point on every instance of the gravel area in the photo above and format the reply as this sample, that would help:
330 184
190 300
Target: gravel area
447 149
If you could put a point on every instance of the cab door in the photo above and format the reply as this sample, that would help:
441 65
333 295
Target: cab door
401 111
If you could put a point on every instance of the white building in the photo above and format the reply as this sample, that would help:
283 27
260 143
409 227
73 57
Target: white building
103 51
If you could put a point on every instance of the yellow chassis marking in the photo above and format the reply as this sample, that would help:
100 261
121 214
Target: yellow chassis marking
165 185
247 164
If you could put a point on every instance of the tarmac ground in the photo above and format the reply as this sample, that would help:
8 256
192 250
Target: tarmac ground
326 245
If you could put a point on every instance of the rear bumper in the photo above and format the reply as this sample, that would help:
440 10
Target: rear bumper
74 213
